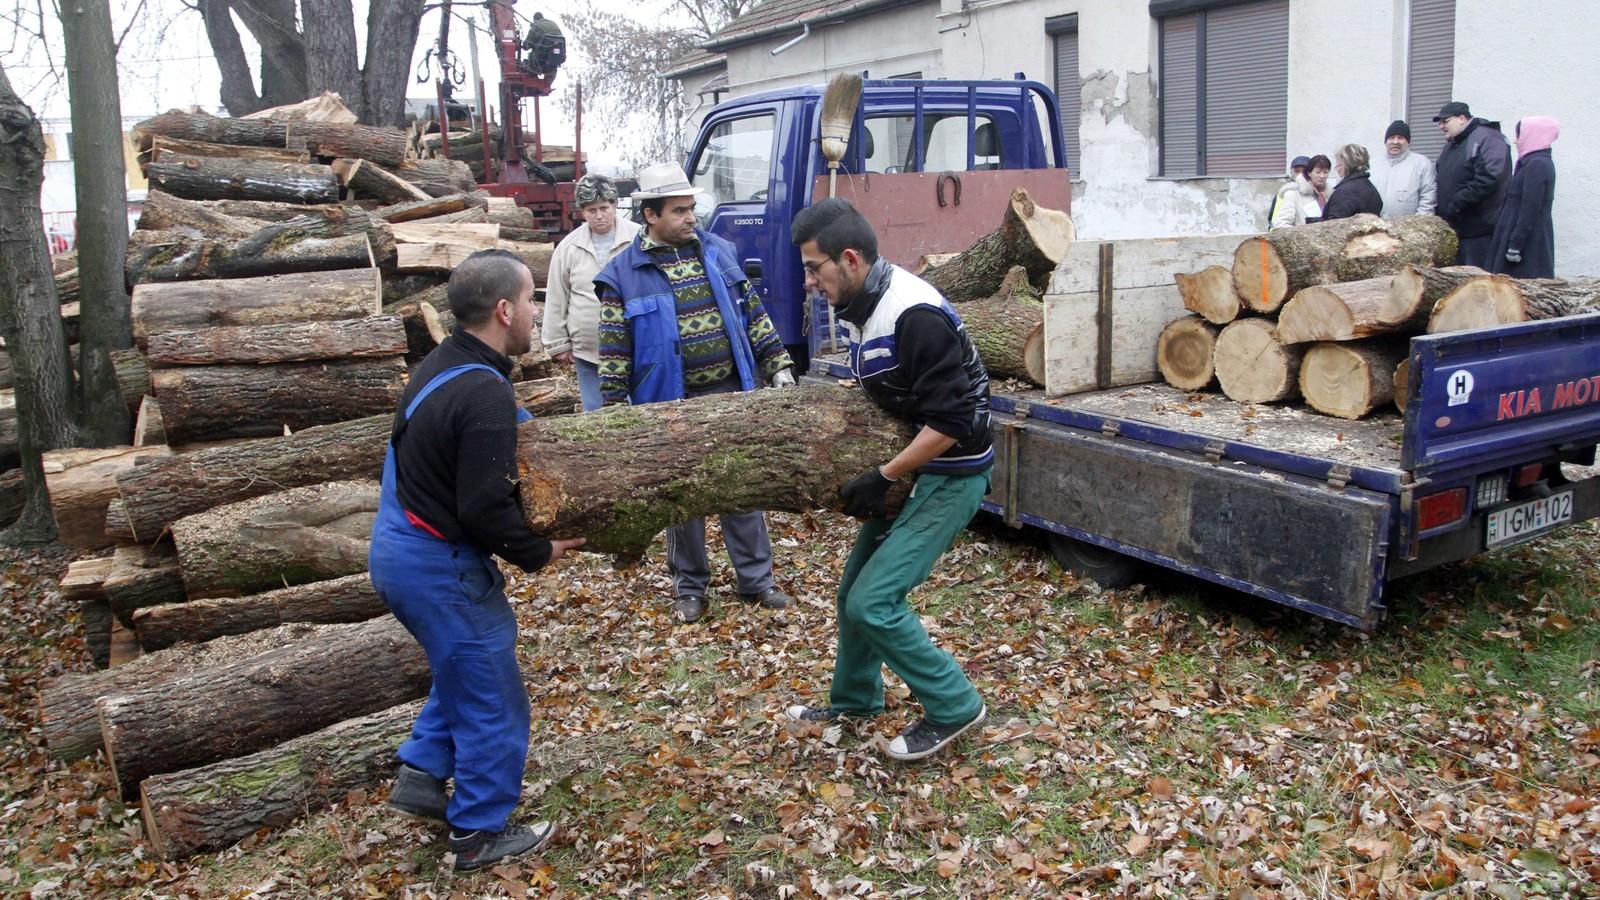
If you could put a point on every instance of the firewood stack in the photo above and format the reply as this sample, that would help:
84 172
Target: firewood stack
1323 312
266 374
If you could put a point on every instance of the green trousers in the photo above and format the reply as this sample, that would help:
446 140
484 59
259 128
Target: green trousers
877 628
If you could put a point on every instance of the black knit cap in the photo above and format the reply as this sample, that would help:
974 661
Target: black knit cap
1398 126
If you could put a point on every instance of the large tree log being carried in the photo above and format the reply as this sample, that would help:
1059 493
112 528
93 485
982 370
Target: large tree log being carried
343 671
1253 366
1512 300
348 599
1029 235
1210 293
1271 268
267 300
386 146
288 342
1350 380
211 402
211 178
1185 352
82 483
582 475
165 490
292 537
68 719
216 805
1008 329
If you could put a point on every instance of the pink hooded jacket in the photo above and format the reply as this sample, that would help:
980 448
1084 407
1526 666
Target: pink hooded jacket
1536 133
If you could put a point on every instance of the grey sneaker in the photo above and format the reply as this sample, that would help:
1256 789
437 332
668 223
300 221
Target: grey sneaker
820 715
771 598
689 609
418 794
476 849
923 738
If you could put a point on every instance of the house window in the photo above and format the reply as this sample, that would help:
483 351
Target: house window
1430 71
1063 32
1225 90
737 160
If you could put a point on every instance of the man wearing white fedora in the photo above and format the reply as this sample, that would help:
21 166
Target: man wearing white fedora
678 320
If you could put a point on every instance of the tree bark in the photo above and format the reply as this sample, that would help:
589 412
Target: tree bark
212 402
257 212
143 576
584 475
10 439
133 376
1253 366
386 71
370 182
283 57
344 671
13 495
161 145
1350 380
347 599
216 805
68 719
193 218
423 330
330 41
1031 236
292 537
425 209
1008 329
254 302
82 483
1275 266
1347 311
212 178
1498 300
1185 353
545 397
100 182
162 491
238 86
288 342
436 177
385 146
171 256
1210 293
30 317
444 257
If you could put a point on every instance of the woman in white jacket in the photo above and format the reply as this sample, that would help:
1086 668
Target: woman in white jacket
571 331
1302 199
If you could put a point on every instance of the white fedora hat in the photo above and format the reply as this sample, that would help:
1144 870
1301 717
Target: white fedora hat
664 180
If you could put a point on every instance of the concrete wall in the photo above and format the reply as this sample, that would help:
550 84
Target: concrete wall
889 43
1518 58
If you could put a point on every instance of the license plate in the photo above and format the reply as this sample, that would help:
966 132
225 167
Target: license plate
1527 520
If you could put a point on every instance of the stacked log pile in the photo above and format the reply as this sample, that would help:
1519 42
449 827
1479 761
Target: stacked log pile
1322 312
266 375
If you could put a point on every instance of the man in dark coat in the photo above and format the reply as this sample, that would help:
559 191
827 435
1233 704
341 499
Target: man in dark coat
1525 238
1474 171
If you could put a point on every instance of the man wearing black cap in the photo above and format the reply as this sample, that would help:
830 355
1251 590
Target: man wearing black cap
1405 179
1474 171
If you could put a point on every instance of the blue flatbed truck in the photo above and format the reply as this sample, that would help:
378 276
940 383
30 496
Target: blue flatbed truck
1313 512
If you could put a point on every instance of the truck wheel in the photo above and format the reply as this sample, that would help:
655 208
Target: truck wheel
1107 568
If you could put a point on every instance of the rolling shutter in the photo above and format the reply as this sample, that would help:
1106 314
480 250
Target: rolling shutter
1430 75
1180 87
1246 98
1069 94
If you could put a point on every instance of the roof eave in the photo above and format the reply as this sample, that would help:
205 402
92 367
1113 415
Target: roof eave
849 11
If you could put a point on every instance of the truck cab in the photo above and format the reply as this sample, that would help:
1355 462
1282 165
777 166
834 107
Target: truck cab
930 163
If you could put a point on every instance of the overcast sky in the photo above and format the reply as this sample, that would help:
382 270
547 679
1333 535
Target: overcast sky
166 62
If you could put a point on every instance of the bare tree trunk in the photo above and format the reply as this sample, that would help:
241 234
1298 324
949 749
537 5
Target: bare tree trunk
238 87
100 179
330 42
283 55
30 319
391 39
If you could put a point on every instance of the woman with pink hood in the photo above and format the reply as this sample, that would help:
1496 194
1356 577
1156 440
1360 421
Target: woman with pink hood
1524 235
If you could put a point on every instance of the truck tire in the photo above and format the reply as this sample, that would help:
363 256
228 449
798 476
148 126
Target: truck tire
1107 568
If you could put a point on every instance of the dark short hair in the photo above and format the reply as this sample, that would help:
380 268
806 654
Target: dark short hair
1319 162
836 225
482 281
654 204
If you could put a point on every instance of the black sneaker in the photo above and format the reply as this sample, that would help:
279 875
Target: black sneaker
477 849
924 738
771 598
689 609
418 794
819 715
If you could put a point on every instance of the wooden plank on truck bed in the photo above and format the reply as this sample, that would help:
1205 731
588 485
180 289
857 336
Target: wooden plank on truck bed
1144 299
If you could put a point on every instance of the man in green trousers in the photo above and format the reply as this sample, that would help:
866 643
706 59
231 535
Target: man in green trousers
912 356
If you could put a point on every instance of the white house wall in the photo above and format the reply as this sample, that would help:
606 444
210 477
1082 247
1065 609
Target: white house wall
889 43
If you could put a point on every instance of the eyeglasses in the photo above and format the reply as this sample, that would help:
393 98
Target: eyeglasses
812 268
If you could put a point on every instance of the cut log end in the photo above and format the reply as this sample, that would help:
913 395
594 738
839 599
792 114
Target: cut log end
1315 314
1402 383
1482 302
1253 366
1259 276
1051 229
1349 380
1210 293
1185 353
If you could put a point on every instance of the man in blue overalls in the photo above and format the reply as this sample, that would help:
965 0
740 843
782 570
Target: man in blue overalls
449 505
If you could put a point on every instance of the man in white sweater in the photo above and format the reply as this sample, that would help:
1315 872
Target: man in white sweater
571 309
1405 179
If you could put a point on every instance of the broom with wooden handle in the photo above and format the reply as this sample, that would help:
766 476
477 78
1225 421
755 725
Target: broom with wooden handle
839 103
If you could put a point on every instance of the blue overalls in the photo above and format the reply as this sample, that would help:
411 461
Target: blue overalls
450 595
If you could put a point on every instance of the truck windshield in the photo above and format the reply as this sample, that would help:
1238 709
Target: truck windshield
736 163
890 146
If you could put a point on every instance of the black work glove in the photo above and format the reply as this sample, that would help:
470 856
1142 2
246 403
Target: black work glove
865 495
